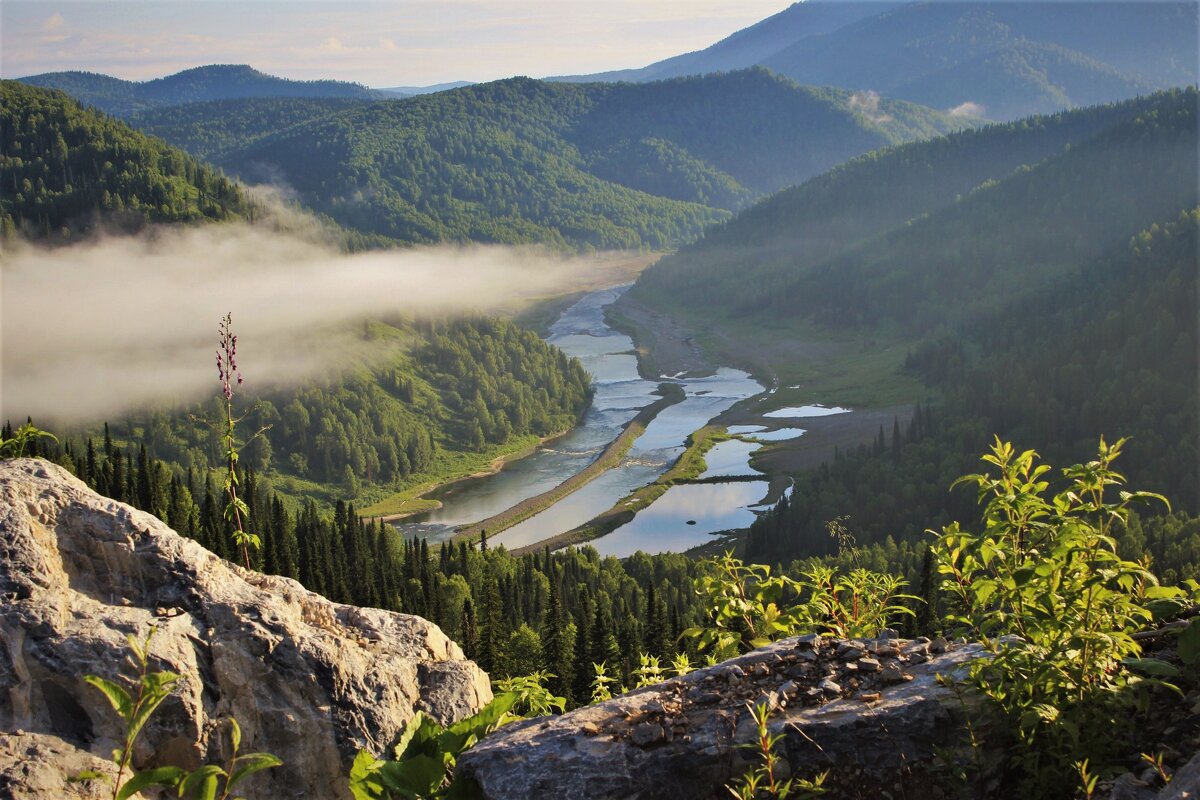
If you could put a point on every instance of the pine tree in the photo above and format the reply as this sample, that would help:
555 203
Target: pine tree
491 630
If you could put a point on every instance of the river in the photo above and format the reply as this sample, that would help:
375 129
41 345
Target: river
676 521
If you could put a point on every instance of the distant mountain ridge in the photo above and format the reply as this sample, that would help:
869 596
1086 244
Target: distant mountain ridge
213 82
597 165
1001 59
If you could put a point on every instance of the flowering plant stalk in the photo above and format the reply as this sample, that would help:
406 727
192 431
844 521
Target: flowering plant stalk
227 372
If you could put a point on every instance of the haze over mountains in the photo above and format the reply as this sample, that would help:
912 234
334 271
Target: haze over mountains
213 82
1001 60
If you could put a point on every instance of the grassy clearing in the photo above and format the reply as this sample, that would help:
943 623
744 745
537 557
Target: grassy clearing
688 467
825 367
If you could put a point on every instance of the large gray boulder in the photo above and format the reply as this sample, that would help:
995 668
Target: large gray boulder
871 712
308 680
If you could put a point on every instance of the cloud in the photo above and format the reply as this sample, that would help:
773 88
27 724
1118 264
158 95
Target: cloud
968 109
53 22
332 45
867 104
93 329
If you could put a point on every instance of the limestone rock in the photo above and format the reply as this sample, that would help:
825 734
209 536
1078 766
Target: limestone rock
36 765
869 735
309 680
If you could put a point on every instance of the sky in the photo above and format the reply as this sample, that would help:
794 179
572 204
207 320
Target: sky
381 44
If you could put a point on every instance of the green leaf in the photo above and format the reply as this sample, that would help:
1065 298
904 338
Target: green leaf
89 775
365 783
1189 644
486 718
419 736
247 765
161 776
1153 667
201 784
420 776
235 734
117 696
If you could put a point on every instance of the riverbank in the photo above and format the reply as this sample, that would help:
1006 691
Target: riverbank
612 455
799 366
408 502
687 468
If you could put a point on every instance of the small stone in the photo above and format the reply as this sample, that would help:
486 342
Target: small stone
807 656
939 645
590 728
850 652
918 658
869 697
788 689
917 649
768 699
730 672
647 734
868 665
813 693
887 633
829 687
887 651
892 675
850 667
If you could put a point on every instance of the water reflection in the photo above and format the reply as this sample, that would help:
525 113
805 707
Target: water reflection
663 527
730 458
807 411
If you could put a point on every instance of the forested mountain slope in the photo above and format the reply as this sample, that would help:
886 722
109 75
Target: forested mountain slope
212 82
1043 274
598 165
212 129
887 220
64 167
1108 350
417 398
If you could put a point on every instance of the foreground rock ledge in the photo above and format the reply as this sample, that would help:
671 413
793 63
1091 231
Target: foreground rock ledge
870 711
309 680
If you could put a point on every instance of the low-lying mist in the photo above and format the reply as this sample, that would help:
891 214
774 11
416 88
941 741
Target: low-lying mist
92 330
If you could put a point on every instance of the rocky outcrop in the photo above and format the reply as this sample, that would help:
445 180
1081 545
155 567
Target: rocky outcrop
308 680
872 712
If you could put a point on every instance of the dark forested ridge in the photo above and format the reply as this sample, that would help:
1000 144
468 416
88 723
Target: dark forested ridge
597 165
213 82
1002 60
1043 273
63 168
984 214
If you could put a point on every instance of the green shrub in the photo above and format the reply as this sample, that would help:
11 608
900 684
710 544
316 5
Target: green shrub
1043 588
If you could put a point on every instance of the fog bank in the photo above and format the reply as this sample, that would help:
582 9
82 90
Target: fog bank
94 329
